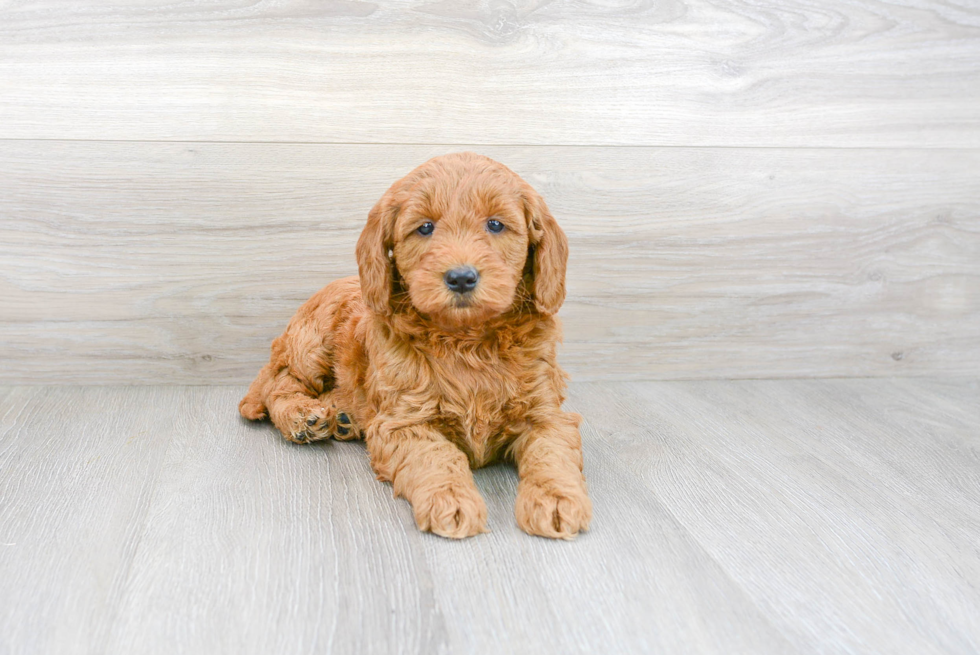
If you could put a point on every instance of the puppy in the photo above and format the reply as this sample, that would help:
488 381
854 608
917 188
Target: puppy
442 354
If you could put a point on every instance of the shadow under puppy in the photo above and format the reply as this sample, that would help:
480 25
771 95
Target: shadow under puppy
442 355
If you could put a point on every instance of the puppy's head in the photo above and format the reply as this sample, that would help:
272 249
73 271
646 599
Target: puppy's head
465 239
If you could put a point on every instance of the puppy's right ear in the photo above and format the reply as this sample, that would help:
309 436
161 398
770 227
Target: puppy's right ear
374 263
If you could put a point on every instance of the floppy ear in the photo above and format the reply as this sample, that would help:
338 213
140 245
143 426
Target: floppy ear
549 248
374 265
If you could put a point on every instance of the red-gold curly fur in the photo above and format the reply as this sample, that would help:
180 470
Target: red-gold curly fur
437 381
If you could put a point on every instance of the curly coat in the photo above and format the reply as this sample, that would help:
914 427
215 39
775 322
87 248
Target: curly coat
437 380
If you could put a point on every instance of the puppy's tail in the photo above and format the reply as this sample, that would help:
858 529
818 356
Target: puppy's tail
252 405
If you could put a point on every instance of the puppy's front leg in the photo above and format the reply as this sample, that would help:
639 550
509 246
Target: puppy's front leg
433 475
552 500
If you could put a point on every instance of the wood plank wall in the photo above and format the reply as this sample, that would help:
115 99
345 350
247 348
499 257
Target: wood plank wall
751 189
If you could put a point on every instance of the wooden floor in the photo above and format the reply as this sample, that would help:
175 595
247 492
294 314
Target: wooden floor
755 516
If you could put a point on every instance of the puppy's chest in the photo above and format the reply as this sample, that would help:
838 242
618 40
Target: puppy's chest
481 406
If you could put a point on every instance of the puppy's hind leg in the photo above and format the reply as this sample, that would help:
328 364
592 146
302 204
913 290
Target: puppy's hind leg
297 411
300 370
252 406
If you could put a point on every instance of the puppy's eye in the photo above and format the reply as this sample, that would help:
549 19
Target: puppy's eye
426 228
495 226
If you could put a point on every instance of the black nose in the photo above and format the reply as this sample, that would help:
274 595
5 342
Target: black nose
462 279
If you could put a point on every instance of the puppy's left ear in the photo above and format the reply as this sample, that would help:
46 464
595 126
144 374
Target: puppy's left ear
549 247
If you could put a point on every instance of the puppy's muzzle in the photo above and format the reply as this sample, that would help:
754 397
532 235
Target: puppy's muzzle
462 279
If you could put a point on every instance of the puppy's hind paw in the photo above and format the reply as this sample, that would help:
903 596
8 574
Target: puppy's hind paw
305 422
346 428
253 411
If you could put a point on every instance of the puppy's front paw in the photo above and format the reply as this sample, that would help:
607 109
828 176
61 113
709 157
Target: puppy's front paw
555 511
455 512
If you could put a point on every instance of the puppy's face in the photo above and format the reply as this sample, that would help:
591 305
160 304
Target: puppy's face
459 235
460 246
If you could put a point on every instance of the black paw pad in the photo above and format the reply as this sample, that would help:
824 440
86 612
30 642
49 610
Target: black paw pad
312 420
342 431
342 419
303 437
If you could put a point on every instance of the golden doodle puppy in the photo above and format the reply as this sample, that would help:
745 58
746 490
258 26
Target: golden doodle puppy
442 354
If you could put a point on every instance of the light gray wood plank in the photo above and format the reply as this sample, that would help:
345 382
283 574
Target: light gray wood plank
683 72
932 432
77 474
255 545
853 530
148 263
636 582
303 550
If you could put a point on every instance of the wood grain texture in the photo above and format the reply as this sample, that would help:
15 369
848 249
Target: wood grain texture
878 509
678 72
156 262
830 516
255 546
306 540
78 469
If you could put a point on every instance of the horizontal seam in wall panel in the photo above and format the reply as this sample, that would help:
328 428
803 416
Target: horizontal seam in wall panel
495 145
960 379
